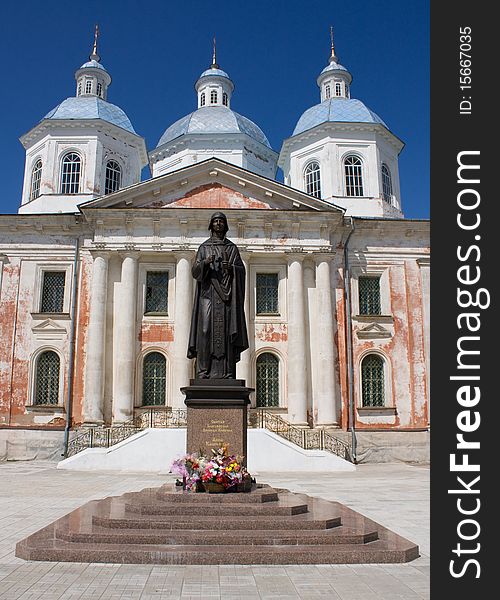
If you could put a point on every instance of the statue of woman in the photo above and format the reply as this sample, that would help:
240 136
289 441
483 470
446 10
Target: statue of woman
218 330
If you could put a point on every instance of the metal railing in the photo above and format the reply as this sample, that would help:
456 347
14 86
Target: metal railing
164 417
99 436
308 439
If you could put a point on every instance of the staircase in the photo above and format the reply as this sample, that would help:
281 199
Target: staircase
169 526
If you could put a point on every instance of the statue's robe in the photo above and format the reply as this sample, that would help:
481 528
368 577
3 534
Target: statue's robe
218 333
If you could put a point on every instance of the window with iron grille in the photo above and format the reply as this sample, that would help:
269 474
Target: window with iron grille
156 292
202 99
338 89
213 97
113 177
47 378
353 176
70 174
154 380
52 300
372 380
36 177
369 296
88 86
267 294
313 179
267 380
386 183
224 99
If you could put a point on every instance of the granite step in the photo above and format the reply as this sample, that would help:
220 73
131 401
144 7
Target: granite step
119 530
373 552
285 507
259 495
338 535
229 522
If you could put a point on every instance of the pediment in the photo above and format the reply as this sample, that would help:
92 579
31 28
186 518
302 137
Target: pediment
211 184
373 331
49 329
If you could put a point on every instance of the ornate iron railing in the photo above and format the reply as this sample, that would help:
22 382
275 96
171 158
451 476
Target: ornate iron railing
308 439
160 416
164 417
104 437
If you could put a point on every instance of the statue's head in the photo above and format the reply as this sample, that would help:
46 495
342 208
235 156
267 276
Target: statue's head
222 217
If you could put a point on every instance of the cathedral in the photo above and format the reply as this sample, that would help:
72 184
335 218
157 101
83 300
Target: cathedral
96 288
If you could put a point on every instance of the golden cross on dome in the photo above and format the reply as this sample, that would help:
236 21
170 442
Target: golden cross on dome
331 41
214 55
94 54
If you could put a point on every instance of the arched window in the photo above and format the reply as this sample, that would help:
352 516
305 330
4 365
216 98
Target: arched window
88 86
99 89
213 97
47 378
154 380
268 380
113 177
327 92
79 92
202 99
346 90
70 173
36 177
353 176
224 99
338 89
313 179
372 380
386 184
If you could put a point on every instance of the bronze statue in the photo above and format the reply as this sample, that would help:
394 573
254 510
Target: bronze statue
218 329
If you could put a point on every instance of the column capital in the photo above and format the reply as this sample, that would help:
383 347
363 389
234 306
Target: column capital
296 256
99 253
320 257
183 253
129 254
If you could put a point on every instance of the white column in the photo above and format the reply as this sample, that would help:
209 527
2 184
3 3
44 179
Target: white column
243 366
297 362
125 343
96 335
182 365
324 348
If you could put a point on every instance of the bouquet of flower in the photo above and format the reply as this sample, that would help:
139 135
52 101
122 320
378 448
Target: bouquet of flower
223 468
189 467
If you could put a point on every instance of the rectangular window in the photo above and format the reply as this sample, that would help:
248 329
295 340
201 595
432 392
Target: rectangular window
156 292
53 292
267 294
369 296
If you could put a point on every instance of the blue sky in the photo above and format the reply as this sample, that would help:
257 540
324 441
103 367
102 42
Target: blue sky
273 51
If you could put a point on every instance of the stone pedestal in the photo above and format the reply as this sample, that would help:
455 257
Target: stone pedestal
217 415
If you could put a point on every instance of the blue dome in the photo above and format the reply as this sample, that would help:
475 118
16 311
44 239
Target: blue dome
334 66
90 107
213 119
212 72
342 110
93 64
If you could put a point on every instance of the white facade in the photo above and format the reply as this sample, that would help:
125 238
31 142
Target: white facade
311 236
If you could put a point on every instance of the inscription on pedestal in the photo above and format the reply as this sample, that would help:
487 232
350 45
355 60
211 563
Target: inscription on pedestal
212 428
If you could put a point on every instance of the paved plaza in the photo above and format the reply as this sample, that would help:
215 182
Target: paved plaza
33 494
